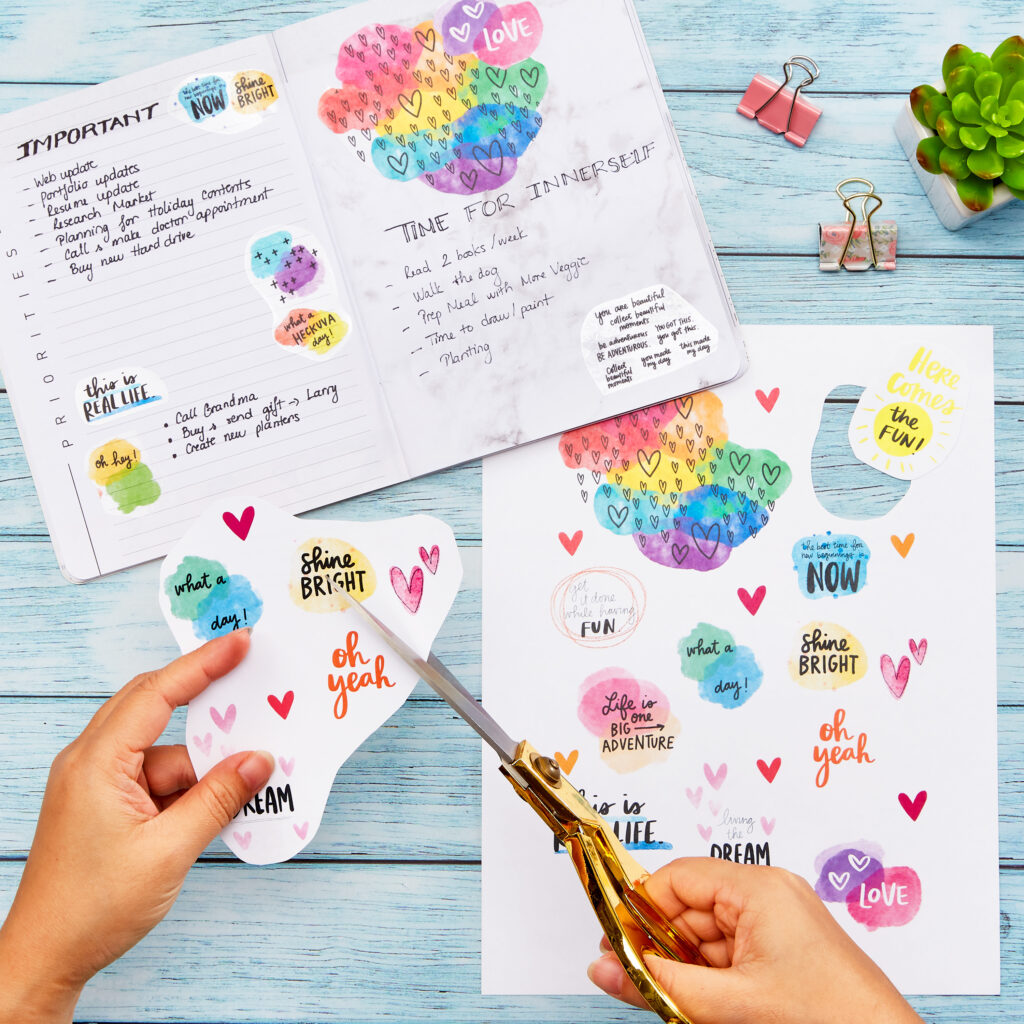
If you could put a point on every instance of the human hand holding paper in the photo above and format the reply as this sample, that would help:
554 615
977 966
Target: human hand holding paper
777 953
122 822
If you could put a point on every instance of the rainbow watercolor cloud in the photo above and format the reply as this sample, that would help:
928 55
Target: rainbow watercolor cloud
670 477
453 102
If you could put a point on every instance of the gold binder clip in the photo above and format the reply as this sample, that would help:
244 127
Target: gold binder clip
857 245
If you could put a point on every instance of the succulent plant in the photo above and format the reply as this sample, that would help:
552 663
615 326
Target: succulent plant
978 121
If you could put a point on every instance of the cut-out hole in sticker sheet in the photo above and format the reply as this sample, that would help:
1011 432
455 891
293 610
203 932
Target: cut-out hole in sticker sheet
757 677
315 683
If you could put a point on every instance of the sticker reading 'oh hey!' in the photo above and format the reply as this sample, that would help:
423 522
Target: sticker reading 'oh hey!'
315 683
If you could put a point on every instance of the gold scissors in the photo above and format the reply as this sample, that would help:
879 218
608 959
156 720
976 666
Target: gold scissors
612 879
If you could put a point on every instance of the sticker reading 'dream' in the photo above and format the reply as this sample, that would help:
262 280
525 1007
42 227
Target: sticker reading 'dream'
727 673
907 424
831 564
225 101
114 391
328 573
125 482
643 335
313 686
827 657
598 607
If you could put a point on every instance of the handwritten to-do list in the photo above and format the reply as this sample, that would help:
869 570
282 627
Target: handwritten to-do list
363 248
730 669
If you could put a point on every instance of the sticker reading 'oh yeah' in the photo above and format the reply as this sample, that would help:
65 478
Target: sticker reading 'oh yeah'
125 482
328 573
827 657
115 391
225 101
906 425
643 335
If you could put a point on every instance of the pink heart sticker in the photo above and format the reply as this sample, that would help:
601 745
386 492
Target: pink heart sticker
240 527
301 830
227 720
571 544
752 602
283 704
705 832
243 839
919 650
204 743
769 771
716 778
430 560
410 592
896 678
287 764
714 806
768 826
767 401
694 795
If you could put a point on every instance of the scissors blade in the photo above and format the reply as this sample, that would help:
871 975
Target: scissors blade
433 671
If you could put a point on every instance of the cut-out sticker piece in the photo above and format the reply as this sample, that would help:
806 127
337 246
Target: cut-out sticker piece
831 564
315 683
598 607
116 391
125 483
290 272
676 483
906 424
843 484
453 102
567 762
225 101
643 335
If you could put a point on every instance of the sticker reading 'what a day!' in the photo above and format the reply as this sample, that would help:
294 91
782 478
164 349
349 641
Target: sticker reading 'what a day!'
315 683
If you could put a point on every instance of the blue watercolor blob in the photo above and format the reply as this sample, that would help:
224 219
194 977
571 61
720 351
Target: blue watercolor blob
268 253
731 679
831 564
204 98
230 606
619 825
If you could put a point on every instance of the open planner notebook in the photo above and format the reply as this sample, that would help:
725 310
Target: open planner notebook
360 249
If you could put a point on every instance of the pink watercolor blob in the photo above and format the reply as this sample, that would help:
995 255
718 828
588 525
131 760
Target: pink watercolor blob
887 899
510 35
614 702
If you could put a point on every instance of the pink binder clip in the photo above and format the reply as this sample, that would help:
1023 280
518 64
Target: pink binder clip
783 111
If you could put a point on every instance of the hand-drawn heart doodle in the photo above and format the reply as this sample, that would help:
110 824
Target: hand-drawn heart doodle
859 863
567 762
769 771
896 678
571 544
767 401
282 705
903 546
409 591
240 527
919 650
430 559
915 806
227 720
709 539
839 882
716 778
752 602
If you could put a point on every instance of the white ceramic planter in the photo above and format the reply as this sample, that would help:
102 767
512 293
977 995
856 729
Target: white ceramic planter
939 188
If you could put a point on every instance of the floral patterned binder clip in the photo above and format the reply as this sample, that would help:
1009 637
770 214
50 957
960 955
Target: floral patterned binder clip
781 110
858 245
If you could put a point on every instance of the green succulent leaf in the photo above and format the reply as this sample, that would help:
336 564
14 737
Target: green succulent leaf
928 151
933 107
956 56
1013 173
987 164
989 108
988 84
1018 192
954 162
966 109
1010 147
974 193
1012 44
995 131
917 101
974 137
1016 92
949 130
1013 111
961 80
1011 67
981 62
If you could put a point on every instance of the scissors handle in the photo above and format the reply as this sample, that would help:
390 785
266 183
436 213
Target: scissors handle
612 879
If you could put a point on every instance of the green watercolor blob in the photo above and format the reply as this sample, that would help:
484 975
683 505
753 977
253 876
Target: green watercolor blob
702 648
134 489
192 584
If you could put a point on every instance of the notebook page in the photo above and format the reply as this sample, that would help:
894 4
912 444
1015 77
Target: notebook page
517 216
176 323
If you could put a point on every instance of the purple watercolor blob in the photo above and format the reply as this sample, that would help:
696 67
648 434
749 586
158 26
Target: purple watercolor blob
463 23
299 273
691 545
843 872
469 176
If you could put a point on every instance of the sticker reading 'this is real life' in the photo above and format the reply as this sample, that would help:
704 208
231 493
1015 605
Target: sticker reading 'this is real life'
643 335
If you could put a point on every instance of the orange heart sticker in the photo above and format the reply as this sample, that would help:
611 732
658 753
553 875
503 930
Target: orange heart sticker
903 546
567 763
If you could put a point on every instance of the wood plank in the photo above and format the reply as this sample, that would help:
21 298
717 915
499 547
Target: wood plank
373 943
410 793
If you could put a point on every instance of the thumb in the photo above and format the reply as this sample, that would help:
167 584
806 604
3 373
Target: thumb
207 808
704 993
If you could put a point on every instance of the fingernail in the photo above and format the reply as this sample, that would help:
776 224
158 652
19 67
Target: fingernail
606 974
256 768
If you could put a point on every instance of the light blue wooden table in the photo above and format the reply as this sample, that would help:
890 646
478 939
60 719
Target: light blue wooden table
379 920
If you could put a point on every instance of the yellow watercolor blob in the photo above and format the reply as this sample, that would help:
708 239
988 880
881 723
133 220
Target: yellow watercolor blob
315 330
113 460
328 573
252 91
902 428
827 657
